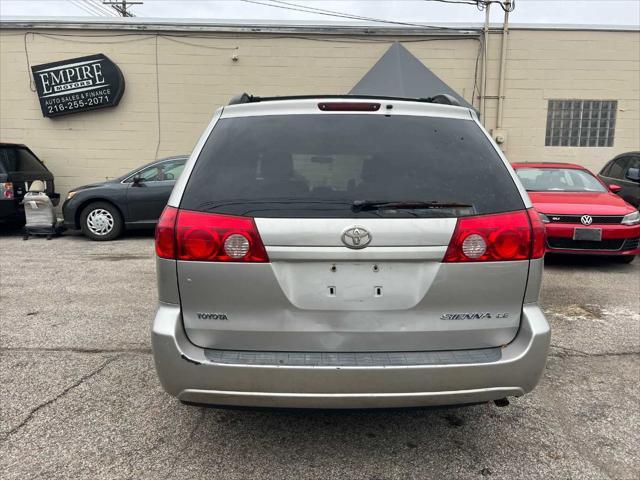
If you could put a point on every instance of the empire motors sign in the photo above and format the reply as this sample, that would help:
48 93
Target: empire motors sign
78 85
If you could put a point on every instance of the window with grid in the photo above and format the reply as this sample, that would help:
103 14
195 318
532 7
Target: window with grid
581 123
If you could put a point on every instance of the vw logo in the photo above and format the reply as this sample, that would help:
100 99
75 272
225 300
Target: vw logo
356 237
586 220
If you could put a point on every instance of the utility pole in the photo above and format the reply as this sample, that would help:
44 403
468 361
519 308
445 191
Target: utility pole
122 6
503 62
508 6
485 54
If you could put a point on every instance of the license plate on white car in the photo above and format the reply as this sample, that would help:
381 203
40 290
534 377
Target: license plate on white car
592 234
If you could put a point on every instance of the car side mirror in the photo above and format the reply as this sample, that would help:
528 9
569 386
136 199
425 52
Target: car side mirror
137 180
615 188
633 174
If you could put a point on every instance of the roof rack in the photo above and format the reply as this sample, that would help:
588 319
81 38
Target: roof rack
443 99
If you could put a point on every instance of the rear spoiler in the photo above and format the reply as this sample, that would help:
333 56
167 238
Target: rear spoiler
443 99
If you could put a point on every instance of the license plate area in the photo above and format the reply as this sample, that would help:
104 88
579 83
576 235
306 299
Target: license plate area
359 281
590 234
355 285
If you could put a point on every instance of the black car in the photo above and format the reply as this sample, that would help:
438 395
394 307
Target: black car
19 166
624 171
135 200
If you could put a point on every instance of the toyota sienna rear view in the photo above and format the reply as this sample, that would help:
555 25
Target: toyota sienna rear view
348 252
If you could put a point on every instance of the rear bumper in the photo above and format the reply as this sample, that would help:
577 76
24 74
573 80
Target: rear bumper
607 253
186 372
11 209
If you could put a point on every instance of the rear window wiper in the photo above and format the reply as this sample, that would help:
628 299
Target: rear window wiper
360 205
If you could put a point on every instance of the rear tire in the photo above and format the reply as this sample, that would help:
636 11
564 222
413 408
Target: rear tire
101 221
624 258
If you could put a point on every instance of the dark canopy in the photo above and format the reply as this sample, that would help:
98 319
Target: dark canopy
399 74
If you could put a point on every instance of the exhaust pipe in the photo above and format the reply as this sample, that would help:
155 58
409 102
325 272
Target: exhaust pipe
502 402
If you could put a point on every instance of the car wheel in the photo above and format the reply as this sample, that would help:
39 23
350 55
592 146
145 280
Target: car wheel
101 221
623 258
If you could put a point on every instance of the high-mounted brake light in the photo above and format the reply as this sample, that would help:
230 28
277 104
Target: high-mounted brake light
498 237
348 107
208 237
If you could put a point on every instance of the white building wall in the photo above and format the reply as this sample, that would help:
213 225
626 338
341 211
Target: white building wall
196 74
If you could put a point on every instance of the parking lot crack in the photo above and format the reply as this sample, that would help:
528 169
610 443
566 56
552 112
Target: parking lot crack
198 422
580 353
141 350
54 399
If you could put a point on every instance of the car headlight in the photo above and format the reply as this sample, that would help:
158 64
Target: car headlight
544 218
631 219
71 194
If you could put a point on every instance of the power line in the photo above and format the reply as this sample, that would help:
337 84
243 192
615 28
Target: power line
87 7
507 6
321 11
122 6
332 13
459 2
102 8
83 7
96 10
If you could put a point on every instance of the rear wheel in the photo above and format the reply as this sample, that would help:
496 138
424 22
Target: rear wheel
623 258
101 221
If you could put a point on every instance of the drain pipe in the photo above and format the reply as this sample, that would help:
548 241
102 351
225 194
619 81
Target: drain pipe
485 51
503 63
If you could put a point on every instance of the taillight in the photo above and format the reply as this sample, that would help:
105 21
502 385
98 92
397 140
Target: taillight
208 237
499 237
538 246
6 189
165 234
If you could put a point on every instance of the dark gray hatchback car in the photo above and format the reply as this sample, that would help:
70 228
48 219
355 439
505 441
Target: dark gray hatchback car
134 200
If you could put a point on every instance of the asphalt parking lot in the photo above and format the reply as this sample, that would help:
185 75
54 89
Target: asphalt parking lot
80 399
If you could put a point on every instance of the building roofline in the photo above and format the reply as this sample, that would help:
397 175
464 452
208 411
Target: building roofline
138 24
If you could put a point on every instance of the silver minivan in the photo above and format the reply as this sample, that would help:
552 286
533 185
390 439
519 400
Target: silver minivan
348 252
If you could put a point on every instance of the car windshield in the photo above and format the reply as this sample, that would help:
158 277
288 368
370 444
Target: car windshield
17 159
323 165
558 180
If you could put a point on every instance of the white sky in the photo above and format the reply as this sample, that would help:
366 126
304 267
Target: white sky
604 12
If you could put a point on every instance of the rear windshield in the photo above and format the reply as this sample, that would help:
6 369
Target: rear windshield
558 180
16 159
319 165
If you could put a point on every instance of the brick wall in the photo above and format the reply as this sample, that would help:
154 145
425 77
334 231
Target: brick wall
547 65
196 75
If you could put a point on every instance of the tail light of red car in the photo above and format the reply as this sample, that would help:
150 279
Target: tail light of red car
6 190
208 237
497 237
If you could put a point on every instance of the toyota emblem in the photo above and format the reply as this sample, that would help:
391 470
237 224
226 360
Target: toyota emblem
356 237
586 220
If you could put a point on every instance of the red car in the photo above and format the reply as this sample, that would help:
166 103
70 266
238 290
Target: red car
581 213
